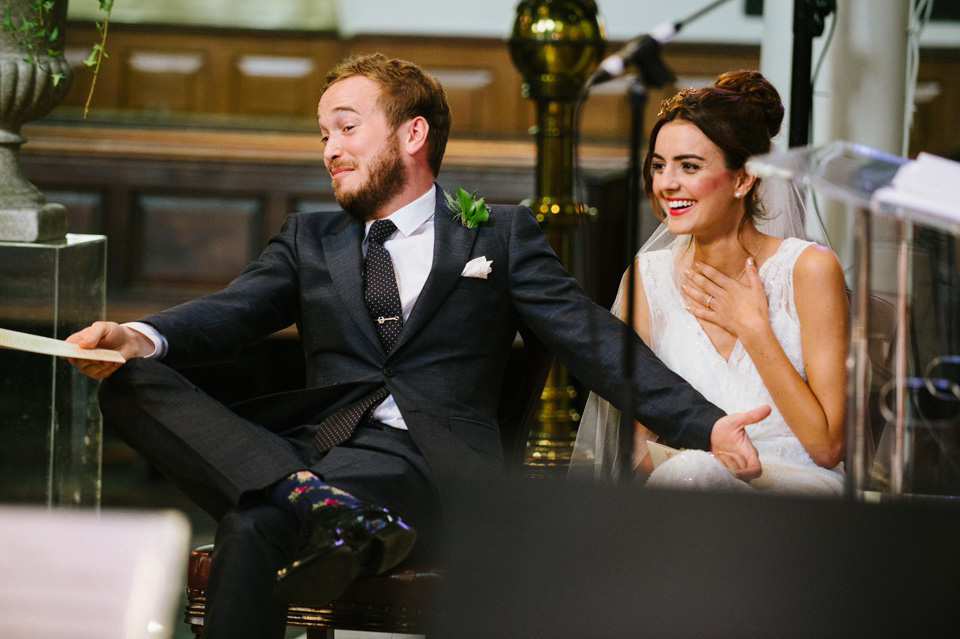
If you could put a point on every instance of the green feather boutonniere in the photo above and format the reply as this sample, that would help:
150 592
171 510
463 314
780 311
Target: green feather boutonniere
467 208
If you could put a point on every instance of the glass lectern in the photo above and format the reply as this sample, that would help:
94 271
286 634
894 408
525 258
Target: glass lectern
904 365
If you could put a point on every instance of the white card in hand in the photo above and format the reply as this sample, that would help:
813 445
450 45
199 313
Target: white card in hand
48 346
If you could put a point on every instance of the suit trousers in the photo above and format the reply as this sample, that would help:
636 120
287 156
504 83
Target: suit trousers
224 463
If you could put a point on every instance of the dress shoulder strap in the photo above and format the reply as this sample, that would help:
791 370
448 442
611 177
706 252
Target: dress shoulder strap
777 274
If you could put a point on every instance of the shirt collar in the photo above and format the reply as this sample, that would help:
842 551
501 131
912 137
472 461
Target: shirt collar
412 216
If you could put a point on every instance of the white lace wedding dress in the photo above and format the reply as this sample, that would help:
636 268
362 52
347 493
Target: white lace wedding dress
733 384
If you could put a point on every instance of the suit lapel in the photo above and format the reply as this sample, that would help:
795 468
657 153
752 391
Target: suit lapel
451 248
345 261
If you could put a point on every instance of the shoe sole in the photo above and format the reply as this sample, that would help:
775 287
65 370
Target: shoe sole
392 544
319 579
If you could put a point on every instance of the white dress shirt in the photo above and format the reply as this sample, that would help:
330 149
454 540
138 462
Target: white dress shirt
410 248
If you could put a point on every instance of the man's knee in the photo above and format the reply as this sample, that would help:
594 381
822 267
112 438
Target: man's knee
135 371
120 394
259 529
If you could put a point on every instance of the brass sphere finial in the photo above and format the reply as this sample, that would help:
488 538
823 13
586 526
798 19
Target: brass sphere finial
556 45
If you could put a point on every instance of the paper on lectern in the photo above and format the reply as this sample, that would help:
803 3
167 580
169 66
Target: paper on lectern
930 184
48 346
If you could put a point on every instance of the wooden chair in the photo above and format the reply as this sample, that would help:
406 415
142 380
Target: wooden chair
397 602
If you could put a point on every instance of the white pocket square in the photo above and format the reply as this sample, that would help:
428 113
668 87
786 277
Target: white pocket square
478 267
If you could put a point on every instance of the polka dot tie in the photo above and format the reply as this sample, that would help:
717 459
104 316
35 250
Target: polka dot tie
382 297
338 427
380 290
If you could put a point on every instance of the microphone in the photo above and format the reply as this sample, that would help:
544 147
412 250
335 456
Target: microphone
643 52
635 53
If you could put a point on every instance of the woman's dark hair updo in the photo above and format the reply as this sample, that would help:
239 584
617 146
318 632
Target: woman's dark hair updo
740 112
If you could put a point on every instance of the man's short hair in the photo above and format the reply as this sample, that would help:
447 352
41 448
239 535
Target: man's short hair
405 93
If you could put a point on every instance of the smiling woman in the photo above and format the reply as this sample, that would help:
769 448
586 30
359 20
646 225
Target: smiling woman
689 175
746 314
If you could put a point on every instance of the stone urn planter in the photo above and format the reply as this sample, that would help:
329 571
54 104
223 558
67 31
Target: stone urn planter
29 64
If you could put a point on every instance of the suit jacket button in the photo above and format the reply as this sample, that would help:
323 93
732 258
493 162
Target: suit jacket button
388 371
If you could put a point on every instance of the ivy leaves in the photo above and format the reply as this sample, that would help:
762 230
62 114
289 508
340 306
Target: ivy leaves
36 33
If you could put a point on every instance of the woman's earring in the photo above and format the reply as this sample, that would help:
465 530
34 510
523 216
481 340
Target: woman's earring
737 194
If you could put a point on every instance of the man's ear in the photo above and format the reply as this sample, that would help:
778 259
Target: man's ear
414 135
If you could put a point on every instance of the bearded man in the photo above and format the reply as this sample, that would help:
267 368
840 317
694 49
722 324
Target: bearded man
315 487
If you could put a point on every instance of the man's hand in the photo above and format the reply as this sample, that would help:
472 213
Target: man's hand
731 446
112 336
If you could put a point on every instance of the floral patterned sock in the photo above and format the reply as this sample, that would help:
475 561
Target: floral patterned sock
303 492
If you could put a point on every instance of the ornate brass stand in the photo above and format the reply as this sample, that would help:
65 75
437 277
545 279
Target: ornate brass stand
556 44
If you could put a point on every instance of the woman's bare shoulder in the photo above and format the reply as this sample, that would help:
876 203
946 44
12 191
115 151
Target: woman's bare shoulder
817 263
818 277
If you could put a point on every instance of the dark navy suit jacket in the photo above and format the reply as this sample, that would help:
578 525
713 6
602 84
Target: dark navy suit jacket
446 369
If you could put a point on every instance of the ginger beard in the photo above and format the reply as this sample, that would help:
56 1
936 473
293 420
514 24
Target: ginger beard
386 178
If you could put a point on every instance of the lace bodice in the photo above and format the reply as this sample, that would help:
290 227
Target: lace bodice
733 384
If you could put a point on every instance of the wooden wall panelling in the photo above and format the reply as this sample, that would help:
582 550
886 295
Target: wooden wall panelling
936 127
466 90
160 69
261 75
176 228
273 85
165 81
281 74
117 222
195 239
278 74
277 206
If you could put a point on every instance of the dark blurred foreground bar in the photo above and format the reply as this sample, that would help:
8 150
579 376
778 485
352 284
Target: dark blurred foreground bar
556 559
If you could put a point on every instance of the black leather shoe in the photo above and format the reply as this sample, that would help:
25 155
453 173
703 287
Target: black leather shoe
339 543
